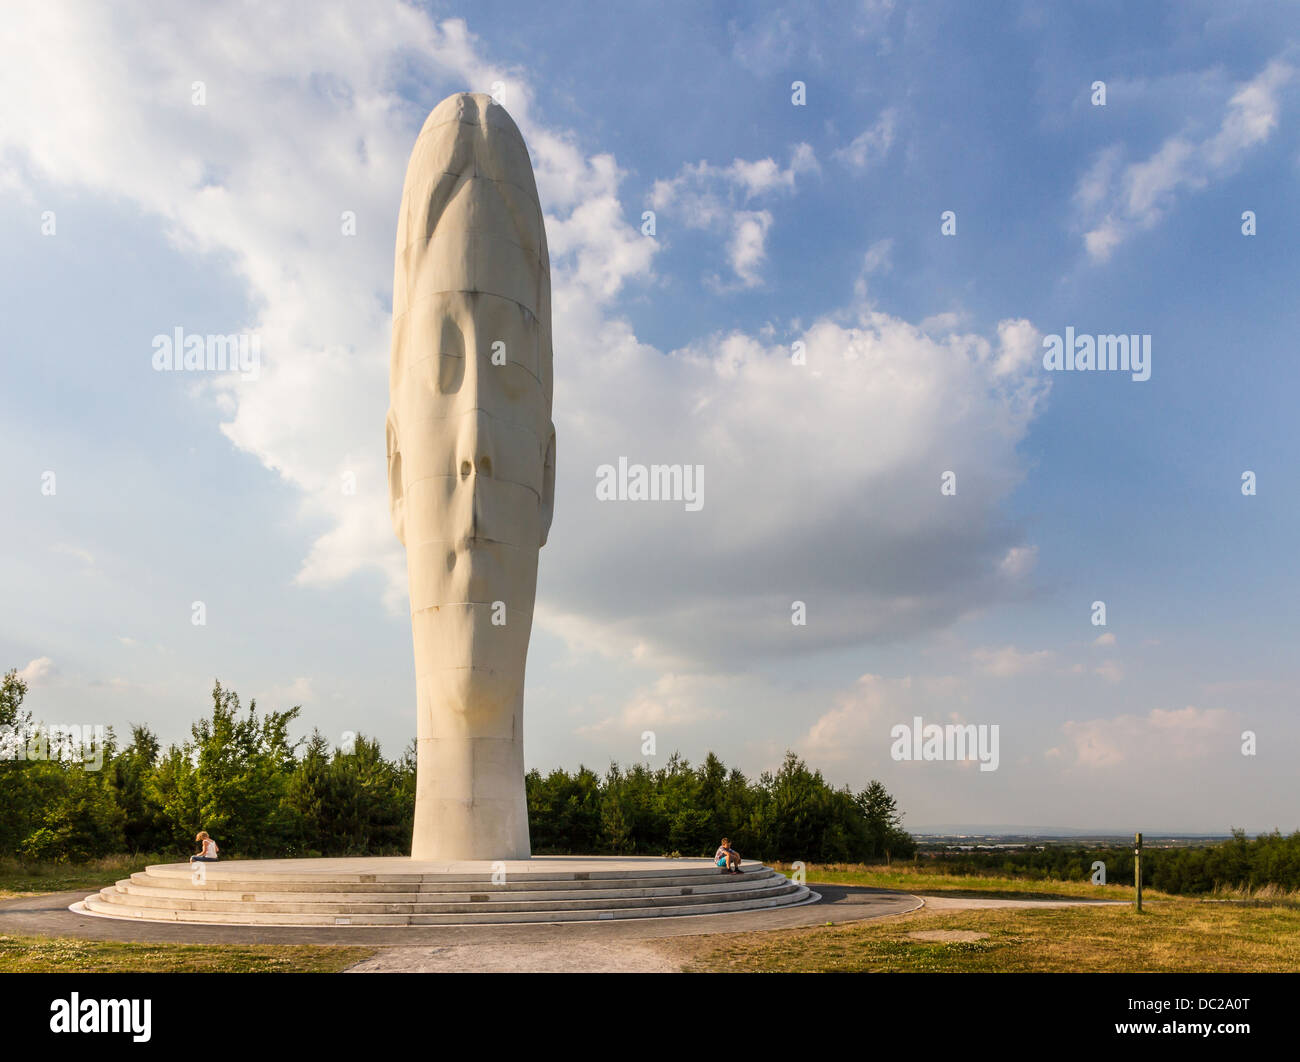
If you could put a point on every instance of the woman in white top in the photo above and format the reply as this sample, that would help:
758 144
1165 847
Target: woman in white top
208 854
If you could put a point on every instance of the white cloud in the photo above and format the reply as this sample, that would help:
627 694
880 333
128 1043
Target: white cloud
285 696
674 700
871 145
747 247
1007 661
822 480
1019 561
860 720
263 187
857 729
1115 202
1110 671
37 671
717 198
1106 639
821 485
1163 735
876 260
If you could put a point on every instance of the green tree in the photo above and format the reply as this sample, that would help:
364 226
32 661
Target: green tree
231 779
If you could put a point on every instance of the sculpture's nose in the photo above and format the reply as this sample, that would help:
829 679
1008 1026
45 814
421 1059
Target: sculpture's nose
476 446
477 462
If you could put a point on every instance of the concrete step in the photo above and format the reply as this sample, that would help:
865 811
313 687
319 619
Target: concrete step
258 892
476 916
365 908
229 875
229 879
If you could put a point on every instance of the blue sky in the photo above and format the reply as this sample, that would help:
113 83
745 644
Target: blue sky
775 223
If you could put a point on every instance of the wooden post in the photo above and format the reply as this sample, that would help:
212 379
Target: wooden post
1137 868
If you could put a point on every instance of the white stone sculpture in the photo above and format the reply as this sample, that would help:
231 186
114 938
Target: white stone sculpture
471 465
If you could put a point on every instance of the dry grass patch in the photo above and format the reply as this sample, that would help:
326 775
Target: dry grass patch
69 955
1170 935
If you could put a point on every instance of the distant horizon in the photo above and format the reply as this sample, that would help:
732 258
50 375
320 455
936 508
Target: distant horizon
1002 830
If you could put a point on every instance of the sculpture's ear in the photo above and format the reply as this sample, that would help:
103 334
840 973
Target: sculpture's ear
548 487
396 500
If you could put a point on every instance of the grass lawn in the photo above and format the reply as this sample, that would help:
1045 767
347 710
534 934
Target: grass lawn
24 954
922 880
1171 934
21 878
68 955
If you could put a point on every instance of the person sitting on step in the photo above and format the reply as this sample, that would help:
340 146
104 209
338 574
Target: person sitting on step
208 853
727 858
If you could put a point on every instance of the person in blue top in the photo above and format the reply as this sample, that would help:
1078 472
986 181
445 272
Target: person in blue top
727 858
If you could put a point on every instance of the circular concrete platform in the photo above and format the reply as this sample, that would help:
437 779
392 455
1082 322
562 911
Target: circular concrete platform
58 915
404 892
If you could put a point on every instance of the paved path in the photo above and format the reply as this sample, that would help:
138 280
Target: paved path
48 915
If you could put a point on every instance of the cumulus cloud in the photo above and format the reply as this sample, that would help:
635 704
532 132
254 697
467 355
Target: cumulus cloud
1110 671
876 260
680 701
821 480
264 189
717 199
282 696
871 145
1162 735
37 670
822 485
1115 200
860 718
857 728
1018 562
1007 661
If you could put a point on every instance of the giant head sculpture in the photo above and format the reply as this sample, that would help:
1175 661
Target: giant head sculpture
471 465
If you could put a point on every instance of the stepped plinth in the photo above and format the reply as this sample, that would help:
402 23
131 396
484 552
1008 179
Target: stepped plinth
395 891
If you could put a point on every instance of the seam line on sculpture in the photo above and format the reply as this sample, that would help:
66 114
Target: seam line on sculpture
431 221
444 354
467 291
491 416
483 233
458 604
477 175
495 479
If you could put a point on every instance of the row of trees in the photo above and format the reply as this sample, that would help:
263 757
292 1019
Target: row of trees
239 776
787 815
1269 859
242 778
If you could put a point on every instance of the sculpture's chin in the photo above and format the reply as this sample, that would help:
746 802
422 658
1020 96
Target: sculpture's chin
484 695
469 660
